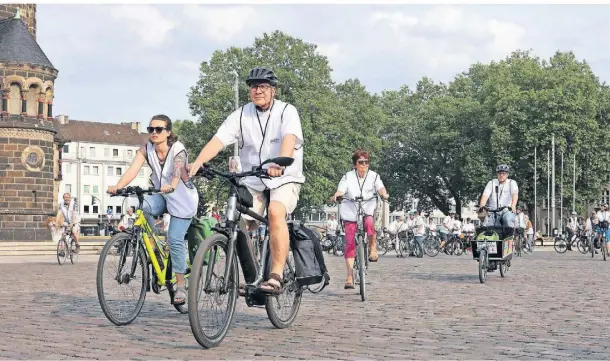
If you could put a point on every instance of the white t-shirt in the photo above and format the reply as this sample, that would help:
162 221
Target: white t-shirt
504 195
353 186
457 227
70 212
573 224
331 226
520 220
166 221
603 216
468 228
447 225
260 135
183 201
419 226
432 227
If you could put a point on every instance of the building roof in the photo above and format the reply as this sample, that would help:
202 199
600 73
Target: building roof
98 132
17 45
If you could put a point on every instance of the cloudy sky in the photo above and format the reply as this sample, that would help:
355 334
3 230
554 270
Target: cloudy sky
121 63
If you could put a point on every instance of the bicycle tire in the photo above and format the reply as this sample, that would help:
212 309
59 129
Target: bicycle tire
292 287
558 244
62 245
604 250
592 246
431 247
482 266
216 239
503 269
458 248
73 255
361 272
141 259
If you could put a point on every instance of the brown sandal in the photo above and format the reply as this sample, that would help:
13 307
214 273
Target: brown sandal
349 285
272 288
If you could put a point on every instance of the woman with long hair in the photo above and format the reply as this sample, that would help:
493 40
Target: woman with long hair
167 158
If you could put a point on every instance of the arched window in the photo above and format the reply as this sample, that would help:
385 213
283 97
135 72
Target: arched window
48 112
14 99
32 100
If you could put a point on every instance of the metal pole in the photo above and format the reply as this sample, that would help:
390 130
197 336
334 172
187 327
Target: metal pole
535 198
236 86
561 199
548 192
574 184
553 184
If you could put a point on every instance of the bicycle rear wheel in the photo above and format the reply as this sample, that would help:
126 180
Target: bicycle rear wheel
62 251
122 246
207 280
560 245
361 269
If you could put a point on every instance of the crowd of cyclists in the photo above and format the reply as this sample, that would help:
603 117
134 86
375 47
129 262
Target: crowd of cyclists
267 128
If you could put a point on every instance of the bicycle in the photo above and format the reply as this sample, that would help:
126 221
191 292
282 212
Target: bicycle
408 246
231 238
490 251
361 263
63 251
143 248
432 245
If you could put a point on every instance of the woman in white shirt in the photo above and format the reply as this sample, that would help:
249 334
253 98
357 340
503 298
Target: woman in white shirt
359 182
167 158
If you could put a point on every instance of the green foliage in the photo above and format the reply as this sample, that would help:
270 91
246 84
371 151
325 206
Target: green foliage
438 143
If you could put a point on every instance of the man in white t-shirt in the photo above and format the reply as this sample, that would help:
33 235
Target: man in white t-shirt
265 128
331 227
432 227
468 227
70 211
501 192
447 226
419 231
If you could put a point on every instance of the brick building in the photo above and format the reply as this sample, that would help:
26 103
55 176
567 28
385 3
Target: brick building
30 146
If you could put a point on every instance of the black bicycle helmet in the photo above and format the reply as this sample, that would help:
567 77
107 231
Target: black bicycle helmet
503 168
261 74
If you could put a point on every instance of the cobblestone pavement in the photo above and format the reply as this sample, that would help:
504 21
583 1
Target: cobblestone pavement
549 307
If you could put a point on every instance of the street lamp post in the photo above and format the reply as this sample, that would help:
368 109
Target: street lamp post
236 88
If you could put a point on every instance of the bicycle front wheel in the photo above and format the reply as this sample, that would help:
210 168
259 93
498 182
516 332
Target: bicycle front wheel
361 269
207 288
432 247
122 258
62 251
73 254
482 265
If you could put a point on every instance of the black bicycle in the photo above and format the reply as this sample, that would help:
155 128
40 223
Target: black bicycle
219 284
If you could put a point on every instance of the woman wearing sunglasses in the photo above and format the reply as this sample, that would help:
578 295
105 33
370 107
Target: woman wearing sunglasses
359 182
168 159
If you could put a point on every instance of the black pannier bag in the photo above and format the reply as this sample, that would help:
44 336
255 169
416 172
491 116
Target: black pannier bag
309 269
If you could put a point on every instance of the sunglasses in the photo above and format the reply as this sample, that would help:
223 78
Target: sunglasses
157 130
363 162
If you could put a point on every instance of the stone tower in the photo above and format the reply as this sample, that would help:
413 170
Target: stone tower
27 12
29 143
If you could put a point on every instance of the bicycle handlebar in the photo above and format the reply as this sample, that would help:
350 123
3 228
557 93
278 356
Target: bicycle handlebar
137 190
259 171
496 211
